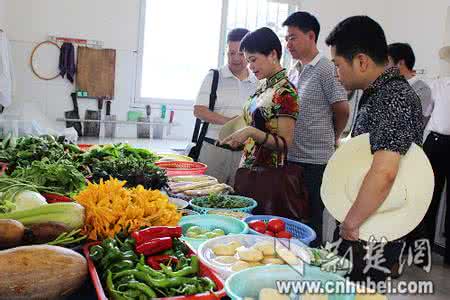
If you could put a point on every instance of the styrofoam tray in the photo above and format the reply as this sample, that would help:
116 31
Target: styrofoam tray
207 256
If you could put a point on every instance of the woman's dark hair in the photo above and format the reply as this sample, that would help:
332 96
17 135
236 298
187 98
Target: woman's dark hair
237 34
262 40
304 21
399 51
359 34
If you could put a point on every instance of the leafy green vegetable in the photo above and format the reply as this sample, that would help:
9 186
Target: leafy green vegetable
134 171
117 151
62 174
23 151
221 201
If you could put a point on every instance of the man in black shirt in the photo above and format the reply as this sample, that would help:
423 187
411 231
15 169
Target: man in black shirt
390 111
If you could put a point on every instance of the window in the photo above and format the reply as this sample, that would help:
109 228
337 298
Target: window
181 40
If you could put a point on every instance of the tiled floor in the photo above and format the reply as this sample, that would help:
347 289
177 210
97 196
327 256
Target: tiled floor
439 275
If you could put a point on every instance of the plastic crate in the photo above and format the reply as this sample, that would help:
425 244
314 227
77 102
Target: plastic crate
204 210
175 168
204 271
300 231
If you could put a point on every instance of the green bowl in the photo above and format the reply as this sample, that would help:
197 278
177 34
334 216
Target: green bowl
209 222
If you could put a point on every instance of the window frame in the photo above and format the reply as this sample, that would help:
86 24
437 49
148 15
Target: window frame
138 101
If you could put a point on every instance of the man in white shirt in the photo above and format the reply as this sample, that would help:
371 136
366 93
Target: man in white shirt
402 56
236 84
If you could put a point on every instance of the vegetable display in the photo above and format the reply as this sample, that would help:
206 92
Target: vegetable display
135 172
21 152
198 233
70 214
62 174
110 208
221 201
128 274
116 151
20 194
275 227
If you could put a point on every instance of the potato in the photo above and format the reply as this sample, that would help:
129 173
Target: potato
288 256
271 294
255 263
272 261
45 232
267 248
226 260
249 254
234 245
240 265
223 250
11 233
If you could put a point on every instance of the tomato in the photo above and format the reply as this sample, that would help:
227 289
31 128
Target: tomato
258 226
284 235
276 225
269 233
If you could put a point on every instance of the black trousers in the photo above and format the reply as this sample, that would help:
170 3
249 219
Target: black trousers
313 180
437 148
370 260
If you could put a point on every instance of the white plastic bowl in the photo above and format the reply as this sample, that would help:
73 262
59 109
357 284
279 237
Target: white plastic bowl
207 256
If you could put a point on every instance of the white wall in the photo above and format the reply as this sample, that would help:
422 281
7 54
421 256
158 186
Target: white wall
420 23
2 14
116 23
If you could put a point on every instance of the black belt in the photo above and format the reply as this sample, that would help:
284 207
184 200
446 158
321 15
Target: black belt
217 144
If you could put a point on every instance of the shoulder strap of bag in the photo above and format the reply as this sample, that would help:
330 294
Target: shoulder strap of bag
196 137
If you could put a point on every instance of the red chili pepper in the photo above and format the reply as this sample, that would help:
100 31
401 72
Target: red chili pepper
54 198
147 234
155 261
154 246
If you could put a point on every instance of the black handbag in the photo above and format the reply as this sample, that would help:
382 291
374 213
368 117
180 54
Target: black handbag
197 138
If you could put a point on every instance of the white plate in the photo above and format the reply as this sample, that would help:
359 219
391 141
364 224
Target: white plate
179 203
207 256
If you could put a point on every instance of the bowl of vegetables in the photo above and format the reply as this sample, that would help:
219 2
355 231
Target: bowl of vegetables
329 261
197 229
220 201
280 227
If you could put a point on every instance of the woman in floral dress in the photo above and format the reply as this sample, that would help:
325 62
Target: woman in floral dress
272 111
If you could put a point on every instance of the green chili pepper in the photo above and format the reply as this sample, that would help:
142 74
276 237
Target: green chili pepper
141 287
207 283
189 289
111 256
152 273
108 244
188 270
96 252
116 295
121 266
124 279
165 282
133 293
